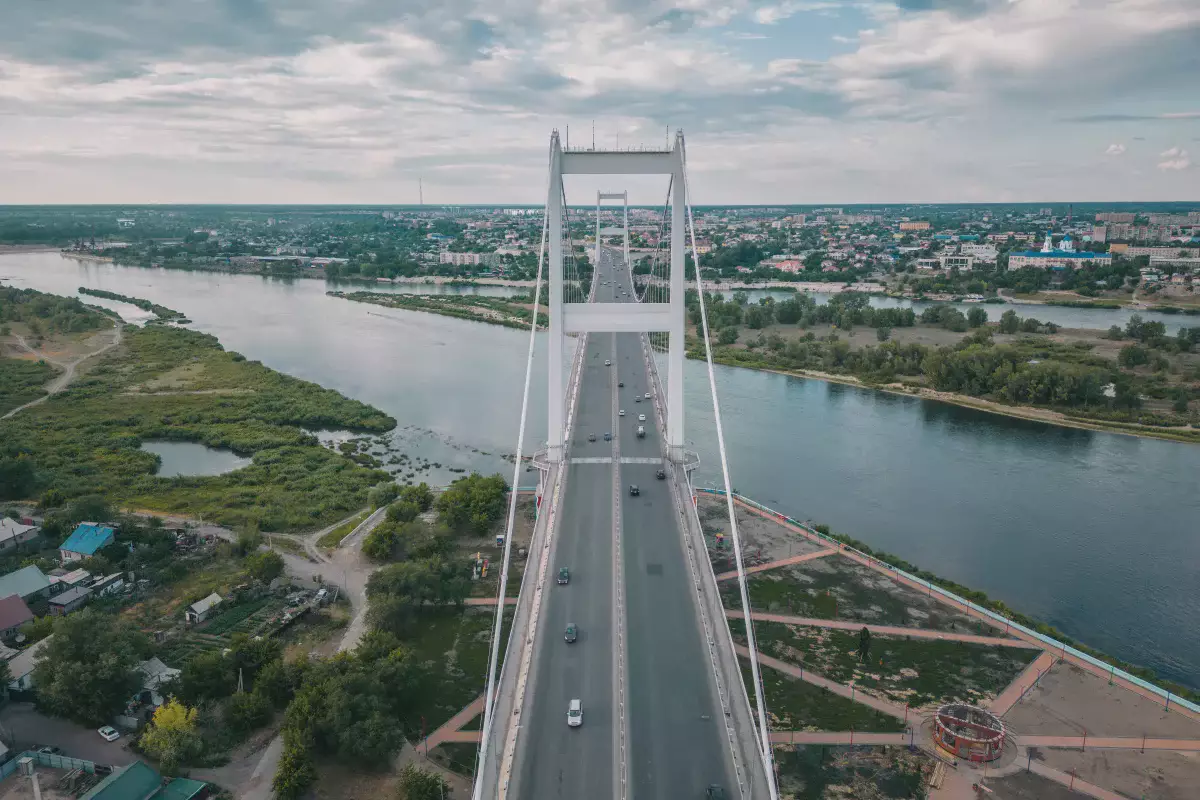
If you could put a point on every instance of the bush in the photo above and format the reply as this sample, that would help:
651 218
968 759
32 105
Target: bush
473 503
265 566
418 784
247 711
727 335
403 511
382 494
419 494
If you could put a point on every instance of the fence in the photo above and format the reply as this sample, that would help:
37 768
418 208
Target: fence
1167 697
47 760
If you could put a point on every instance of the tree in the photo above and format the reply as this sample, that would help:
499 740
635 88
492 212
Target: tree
473 503
727 335
1133 355
403 511
247 711
977 318
265 566
883 333
296 771
172 738
207 676
382 494
88 671
1009 322
757 317
864 644
418 784
419 495
1181 401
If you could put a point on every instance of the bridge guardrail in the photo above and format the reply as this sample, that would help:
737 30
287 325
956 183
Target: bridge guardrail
1167 696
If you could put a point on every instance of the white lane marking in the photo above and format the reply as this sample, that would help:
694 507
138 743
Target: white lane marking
592 460
621 785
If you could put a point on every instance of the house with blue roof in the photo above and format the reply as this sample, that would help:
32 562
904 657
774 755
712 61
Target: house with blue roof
85 541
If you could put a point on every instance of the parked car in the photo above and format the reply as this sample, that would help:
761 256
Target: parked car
49 750
575 713
572 633
109 733
564 576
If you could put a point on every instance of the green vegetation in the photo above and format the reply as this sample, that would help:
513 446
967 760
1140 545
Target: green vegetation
981 599
822 772
162 312
473 503
919 672
334 537
21 381
799 706
398 593
87 672
509 312
47 314
418 784
179 385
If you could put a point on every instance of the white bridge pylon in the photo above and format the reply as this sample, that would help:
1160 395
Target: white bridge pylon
600 198
616 317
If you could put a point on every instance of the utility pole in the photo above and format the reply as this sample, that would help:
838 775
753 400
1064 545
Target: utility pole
421 190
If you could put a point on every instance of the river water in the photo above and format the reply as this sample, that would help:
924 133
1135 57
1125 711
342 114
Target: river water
1097 534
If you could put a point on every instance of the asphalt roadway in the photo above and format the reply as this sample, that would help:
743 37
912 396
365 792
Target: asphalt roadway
676 745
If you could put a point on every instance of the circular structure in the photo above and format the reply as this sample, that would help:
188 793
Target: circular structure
968 732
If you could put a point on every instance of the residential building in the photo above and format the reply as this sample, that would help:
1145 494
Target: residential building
13 614
980 252
139 781
914 226
928 263
28 583
61 580
1116 216
1132 251
70 600
86 539
108 584
13 533
950 262
202 609
467 259
1191 263
20 668
1099 233
789 265
155 673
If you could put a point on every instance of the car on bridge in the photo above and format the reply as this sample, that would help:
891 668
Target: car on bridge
572 633
714 792
641 417
621 413
621 384
634 491
591 437
608 437
575 713
607 363
564 576
661 474
637 399
647 395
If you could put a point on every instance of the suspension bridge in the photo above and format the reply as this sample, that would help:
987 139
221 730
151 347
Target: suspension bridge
665 710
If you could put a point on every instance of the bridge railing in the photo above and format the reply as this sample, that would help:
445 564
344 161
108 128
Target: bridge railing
1167 696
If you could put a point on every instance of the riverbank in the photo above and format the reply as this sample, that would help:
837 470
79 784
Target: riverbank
491 310
172 384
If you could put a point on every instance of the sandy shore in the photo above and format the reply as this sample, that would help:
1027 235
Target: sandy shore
6 249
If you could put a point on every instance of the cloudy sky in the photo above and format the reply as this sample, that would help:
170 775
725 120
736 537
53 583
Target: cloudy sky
806 101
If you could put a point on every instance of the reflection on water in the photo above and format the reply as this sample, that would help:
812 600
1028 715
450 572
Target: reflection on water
1094 533
189 459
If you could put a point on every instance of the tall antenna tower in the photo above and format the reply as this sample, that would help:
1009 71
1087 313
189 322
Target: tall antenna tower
421 190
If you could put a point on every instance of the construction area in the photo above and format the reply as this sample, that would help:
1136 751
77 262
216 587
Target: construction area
878 687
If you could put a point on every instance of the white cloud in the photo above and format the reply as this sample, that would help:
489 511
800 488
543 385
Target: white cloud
1176 159
770 15
1115 150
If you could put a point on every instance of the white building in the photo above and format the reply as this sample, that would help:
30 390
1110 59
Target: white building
1062 257
466 259
980 252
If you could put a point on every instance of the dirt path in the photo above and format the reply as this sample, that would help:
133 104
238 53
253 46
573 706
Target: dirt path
783 562
68 369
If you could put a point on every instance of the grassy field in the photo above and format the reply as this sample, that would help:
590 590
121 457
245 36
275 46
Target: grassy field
335 536
919 672
794 705
458 757
179 385
452 645
21 381
818 772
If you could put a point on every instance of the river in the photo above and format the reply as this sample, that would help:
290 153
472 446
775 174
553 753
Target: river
1097 534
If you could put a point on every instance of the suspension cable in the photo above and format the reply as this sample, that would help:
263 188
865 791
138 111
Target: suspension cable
764 739
494 656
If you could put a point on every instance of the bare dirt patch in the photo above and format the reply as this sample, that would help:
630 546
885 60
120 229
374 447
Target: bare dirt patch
1153 775
1069 702
762 539
1027 786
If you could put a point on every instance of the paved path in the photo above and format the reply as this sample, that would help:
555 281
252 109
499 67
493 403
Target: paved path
1013 693
489 601
783 562
1111 743
848 692
890 630
963 607
68 369
449 732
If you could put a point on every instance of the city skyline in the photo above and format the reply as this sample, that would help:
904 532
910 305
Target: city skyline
799 102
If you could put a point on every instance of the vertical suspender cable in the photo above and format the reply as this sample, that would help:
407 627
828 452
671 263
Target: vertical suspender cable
764 738
494 657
